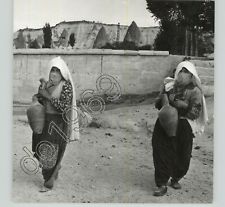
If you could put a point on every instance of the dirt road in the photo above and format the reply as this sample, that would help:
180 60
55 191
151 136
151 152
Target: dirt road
113 163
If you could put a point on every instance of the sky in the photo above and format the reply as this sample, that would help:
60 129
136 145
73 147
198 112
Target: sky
35 13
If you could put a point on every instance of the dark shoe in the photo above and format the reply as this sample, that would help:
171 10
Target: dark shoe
161 191
174 184
44 189
49 184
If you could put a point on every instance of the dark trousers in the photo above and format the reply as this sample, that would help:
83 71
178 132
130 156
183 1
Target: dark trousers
53 143
171 155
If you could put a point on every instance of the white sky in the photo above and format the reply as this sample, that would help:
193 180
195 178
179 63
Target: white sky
35 13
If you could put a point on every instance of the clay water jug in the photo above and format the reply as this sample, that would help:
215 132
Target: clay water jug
36 116
168 117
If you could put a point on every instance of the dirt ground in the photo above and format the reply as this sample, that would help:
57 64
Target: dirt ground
113 163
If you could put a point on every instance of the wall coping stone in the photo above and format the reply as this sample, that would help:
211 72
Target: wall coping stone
88 52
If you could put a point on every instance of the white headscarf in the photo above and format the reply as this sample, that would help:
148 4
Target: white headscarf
62 66
191 68
197 125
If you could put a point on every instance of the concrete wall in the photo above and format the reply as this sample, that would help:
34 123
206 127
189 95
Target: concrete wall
138 72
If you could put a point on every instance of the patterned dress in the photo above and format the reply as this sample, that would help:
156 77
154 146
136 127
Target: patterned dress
65 99
49 147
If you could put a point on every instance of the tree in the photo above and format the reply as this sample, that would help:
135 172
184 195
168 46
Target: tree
20 40
34 44
47 32
181 22
125 45
145 47
28 39
72 40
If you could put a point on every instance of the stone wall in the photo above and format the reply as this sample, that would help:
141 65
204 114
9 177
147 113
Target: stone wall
137 72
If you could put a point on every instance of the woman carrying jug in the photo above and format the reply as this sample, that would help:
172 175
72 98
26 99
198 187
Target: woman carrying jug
59 100
172 154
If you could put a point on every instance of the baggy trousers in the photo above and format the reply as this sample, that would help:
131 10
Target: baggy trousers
171 155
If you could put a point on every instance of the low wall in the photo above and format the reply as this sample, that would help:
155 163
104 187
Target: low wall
137 72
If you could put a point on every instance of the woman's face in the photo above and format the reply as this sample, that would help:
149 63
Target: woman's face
184 77
55 76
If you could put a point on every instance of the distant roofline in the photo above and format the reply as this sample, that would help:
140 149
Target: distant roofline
80 21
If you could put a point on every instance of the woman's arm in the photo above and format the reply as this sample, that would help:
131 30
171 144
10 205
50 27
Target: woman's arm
158 100
65 99
40 99
179 104
195 105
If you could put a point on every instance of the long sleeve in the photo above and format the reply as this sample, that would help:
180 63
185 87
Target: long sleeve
195 104
65 99
158 100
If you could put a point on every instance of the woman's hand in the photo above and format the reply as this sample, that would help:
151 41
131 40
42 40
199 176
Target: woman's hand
44 93
171 97
180 104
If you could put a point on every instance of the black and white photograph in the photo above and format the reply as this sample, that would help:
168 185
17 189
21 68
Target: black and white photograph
113 101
